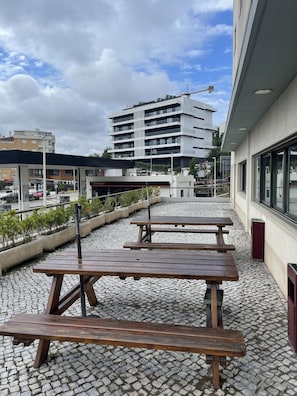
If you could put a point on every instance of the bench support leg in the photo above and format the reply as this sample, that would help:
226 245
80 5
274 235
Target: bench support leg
57 305
52 305
216 371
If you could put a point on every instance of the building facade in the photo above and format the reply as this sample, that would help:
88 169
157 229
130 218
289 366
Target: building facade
164 131
261 128
29 140
35 140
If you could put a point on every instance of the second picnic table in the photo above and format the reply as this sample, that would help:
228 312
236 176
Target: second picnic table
182 224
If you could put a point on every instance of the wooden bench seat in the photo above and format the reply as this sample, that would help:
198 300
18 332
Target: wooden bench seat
178 246
188 230
215 342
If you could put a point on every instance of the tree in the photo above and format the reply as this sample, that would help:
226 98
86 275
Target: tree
105 153
216 151
193 168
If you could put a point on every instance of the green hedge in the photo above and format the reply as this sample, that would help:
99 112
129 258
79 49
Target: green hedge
14 230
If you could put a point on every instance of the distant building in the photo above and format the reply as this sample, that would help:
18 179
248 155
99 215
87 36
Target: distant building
35 140
29 140
166 131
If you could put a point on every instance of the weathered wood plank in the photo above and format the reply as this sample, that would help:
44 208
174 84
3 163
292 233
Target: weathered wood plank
178 246
214 341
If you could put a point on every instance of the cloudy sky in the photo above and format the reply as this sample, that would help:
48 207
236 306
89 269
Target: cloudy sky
66 65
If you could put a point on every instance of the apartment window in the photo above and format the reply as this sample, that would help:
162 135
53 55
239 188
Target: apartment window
69 172
162 131
123 118
162 110
53 172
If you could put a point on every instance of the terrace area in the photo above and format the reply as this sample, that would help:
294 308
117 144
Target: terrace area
254 305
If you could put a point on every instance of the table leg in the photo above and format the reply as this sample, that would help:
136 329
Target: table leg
214 305
139 234
220 239
215 322
215 371
52 305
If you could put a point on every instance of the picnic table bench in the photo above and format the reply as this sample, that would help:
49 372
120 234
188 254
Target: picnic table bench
50 326
148 225
215 342
178 246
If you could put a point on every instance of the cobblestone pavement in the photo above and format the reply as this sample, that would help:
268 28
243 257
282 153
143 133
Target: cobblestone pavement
254 304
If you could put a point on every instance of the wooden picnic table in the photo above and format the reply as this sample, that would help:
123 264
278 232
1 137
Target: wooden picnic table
212 267
182 224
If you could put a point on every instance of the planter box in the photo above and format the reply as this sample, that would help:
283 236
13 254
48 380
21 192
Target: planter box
19 254
110 217
135 207
97 222
51 242
85 228
124 212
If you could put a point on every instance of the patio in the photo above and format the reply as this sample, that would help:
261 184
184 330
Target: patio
254 305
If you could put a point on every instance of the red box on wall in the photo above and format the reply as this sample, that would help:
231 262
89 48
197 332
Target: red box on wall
258 239
292 305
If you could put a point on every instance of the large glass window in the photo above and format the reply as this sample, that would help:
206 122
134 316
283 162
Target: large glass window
292 194
278 179
243 176
257 169
275 179
266 177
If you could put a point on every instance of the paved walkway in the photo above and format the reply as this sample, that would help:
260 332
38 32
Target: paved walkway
254 304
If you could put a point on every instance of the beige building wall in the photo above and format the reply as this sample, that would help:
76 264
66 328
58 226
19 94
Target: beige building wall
278 124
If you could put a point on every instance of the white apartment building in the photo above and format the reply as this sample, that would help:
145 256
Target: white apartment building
170 131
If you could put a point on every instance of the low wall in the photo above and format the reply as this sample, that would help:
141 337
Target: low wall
48 243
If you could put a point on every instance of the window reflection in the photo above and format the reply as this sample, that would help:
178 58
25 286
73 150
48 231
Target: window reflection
278 178
292 196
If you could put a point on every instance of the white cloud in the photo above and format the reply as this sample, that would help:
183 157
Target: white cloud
66 65
205 6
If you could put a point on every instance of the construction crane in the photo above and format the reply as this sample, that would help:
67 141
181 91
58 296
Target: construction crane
210 89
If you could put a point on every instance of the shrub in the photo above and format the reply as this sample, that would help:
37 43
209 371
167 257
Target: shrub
10 227
109 204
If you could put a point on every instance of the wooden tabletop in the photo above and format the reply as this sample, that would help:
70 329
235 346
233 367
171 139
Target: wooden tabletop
183 220
210 266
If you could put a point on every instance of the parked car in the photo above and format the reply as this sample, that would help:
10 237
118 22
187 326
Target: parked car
39 194
9 198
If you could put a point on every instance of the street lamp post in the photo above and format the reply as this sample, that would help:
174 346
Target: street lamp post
214 176
171 175
44 170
